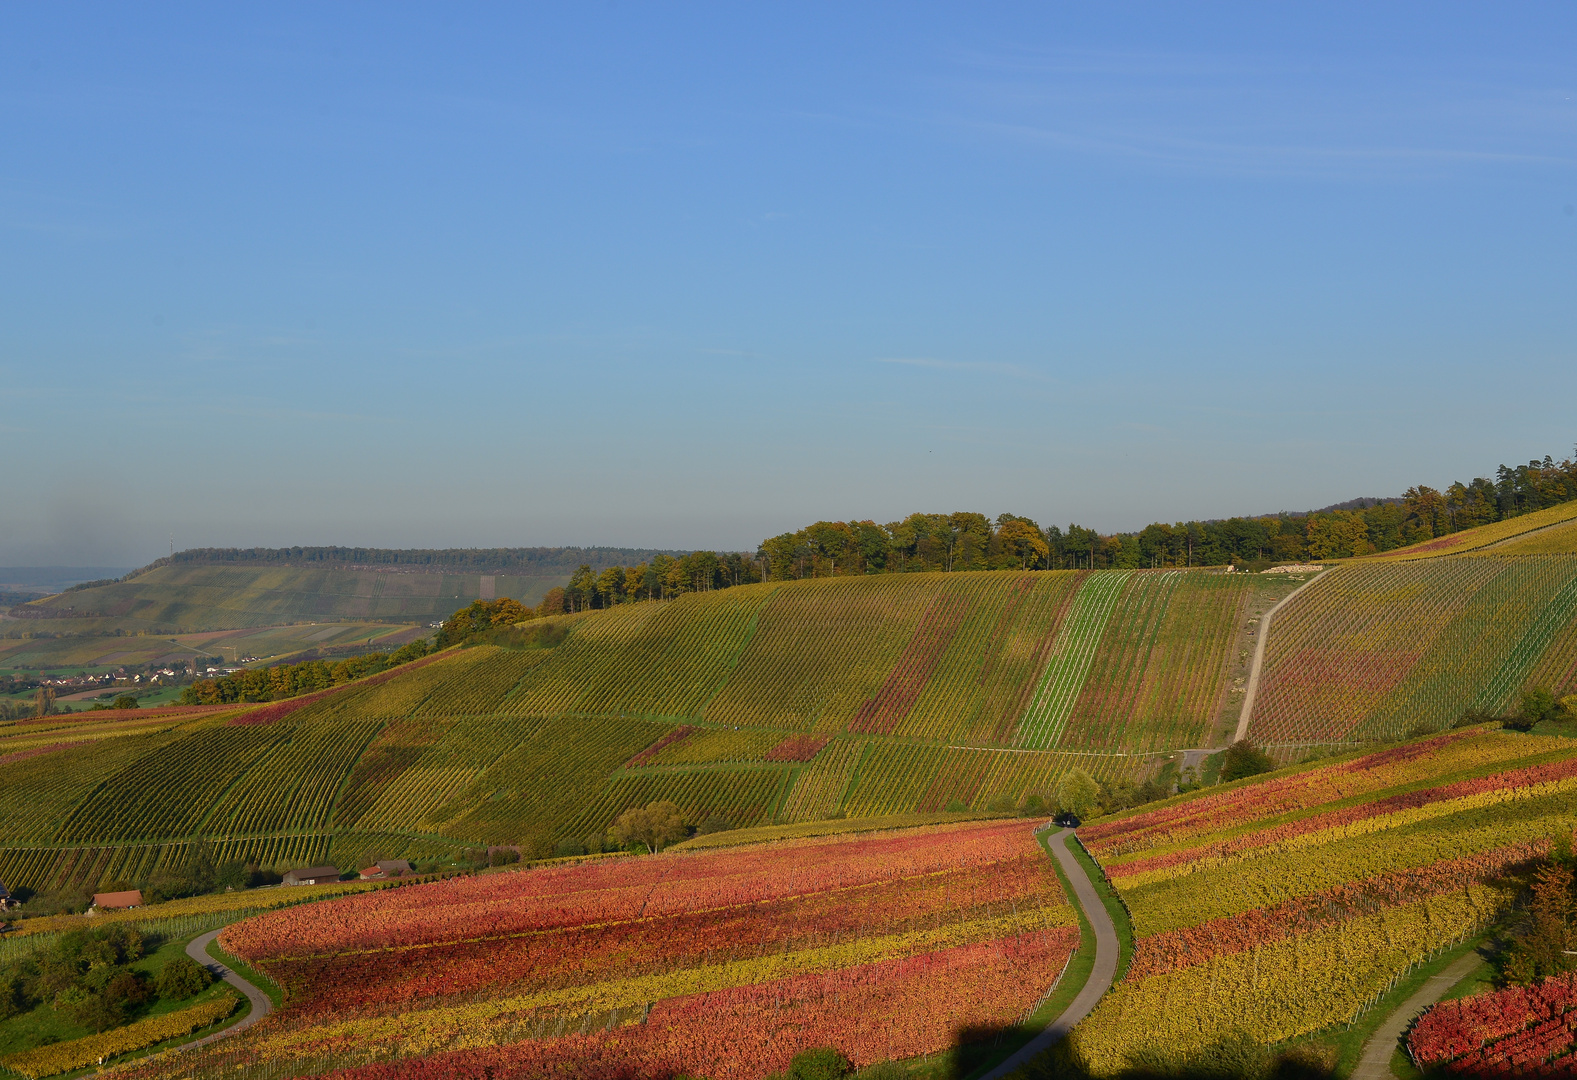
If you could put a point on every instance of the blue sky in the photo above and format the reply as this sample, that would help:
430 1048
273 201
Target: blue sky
692 275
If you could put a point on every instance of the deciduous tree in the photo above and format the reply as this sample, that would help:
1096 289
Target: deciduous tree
656 825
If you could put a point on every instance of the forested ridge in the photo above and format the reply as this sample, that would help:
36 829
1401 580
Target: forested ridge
457 560
963 540
966 540
972 541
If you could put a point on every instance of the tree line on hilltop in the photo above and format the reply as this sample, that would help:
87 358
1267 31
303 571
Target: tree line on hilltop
965 540
971 541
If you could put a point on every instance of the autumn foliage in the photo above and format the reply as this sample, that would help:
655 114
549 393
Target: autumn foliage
729 962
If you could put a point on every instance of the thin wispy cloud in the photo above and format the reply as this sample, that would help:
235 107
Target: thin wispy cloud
987 366
1260 116
300 416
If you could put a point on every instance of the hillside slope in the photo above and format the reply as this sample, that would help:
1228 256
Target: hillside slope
1375 649
235 588
193 597
776 702
1286 905
789 702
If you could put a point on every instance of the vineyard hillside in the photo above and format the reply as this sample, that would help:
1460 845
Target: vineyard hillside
1285 907
759 704
1559 539
788 702
884 945
1375 650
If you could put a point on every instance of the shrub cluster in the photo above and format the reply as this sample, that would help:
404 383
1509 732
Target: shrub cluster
85 975
292 680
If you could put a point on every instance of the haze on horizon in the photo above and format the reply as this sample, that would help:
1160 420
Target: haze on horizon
691 276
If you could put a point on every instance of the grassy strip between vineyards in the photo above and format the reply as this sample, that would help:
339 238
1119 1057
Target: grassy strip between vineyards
1348 1040
274 992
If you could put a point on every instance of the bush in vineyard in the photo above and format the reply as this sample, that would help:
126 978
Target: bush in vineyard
653 826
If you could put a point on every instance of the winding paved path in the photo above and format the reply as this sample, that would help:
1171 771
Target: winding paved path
197 949
1375 1061
1101 975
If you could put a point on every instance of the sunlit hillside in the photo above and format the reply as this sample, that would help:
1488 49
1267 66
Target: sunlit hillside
789 702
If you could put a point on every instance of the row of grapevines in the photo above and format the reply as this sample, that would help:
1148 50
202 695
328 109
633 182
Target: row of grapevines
1543 620
294 785
1043 722
1376 649
981 684
899 778
532 790
483 686
1516 1030
1556 670
705 745
1482 658
399 747
398 695
1278 990
426 780
19 741
821 648
1348 854
168 791
891 777
1124 653
1366 815
1338 648
908 677
650 659
1213 816
743 797
1188 686
38 795
88 866
1553 540
34 868
818 787
1159 674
